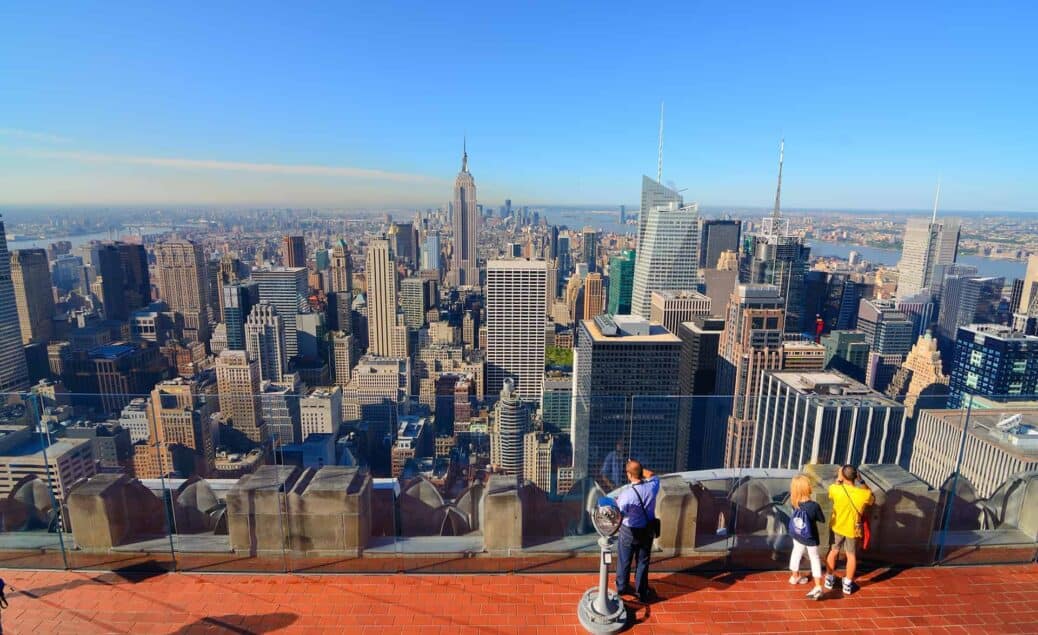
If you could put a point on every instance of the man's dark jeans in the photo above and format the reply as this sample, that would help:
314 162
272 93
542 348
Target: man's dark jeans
637 543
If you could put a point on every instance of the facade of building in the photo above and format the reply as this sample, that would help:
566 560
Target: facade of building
557 403
927 244
507 435
414 301
320 412
751 343
673 307
65 463
382 303
538 448
997 444
847 352
705 411
625 394
285 288
183 282
238 299
279 410
593 295
30 273
341 269
775 256
181 437
294 251
265 341
993 360
668 254
238 381
516 317
589 242
621 282
825 417
717 237
920 382
465 221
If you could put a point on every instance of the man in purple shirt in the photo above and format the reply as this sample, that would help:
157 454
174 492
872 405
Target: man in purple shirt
637 501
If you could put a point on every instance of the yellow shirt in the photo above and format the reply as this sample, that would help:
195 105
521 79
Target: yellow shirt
845 516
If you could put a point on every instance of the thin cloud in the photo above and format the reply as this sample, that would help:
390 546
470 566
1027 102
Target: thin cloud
30 135
232 166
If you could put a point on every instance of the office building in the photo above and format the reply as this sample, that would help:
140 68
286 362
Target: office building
564 259
134 418
108 376
111 444
927 244
967 300
697 378
716 237
920 382
751 343
414 301
382 302
376 395
465 222
621 282
320 412
286 289
778 257
294 251
342 357
33 295
825 417
238 385
593 298
265 341
125 281
404 243
511 423
183 282
64 463
238 300
997 445
994 361
413 439
890 335
624 402
672 308
341 269
516 317
279 410
920 308
589 242
538 467
557 403
847 352
67 273
181 439
668 254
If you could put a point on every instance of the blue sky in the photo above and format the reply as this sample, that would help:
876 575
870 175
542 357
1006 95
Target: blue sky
365 104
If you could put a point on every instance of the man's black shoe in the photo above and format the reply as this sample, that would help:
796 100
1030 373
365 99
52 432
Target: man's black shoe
625 592
647 597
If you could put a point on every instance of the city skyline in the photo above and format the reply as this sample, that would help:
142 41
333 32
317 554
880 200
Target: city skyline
126 112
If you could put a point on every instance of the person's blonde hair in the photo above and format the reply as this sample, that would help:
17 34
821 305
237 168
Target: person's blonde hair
799 490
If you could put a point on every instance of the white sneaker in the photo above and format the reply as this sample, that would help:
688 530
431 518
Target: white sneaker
793 579
848 587
815 593
830 581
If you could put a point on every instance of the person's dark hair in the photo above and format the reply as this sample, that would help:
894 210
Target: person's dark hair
634 468
850 473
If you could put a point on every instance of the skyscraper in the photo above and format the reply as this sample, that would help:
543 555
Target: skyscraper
717 236
430 253
511 423
294 251
624 402
825 417
590 247
697 376
341 269
405 243
14 372
593 300
751 344
238 300
516 317
265 341
994 361
890 335
466 227
414 301
668 254
654 195
125 282
621 282
285 288
180 268
180 430
926 245
238 385
967 300
1029 289
33 294
381 276
920 380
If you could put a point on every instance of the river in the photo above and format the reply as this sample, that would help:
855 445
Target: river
1007 269
80 239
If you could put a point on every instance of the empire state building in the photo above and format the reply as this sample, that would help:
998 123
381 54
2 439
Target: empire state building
466 227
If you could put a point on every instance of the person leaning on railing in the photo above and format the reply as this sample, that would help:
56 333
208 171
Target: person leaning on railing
851 497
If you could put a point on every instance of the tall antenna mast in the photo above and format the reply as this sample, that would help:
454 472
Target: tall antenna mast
936 197
659 156
778 190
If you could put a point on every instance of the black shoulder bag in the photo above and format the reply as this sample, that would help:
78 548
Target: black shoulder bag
654 523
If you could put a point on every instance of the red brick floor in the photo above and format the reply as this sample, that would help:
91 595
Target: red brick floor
990 599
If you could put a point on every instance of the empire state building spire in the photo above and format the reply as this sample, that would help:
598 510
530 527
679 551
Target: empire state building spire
464 155
466 226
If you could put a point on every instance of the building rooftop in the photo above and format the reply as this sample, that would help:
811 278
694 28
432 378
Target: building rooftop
629 329
33 446
112 351
1014 430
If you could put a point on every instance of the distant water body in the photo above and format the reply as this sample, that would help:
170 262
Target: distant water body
80 239
1007 269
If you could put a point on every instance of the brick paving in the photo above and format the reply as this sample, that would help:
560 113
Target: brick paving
984 599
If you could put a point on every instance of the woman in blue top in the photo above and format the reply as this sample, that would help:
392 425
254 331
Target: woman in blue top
803 528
